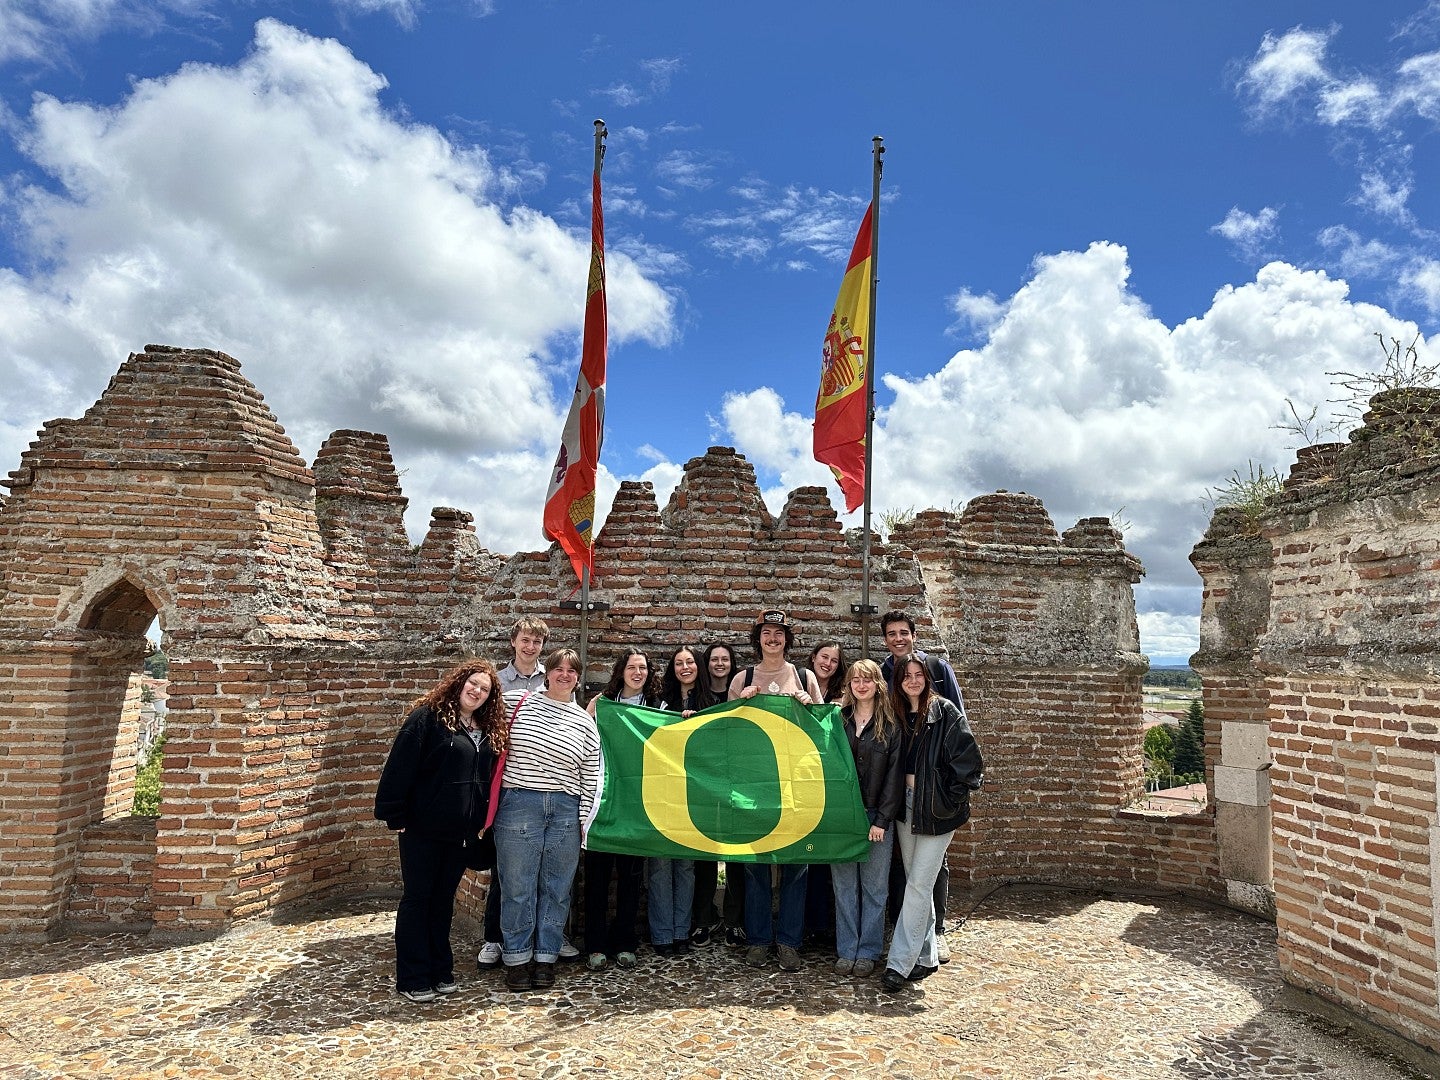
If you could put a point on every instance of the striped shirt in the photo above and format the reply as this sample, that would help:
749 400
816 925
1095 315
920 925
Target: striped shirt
554 746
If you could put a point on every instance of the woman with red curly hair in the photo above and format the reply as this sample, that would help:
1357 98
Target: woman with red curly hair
434 793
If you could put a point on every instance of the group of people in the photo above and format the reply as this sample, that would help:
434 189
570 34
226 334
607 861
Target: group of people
500 769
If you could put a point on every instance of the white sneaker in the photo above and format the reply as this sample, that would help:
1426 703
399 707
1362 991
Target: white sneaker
942 948
568 953
489 956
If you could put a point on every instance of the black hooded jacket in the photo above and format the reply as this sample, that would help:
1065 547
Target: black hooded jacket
435 780
948 766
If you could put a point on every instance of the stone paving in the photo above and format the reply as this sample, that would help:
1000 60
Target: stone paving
1043 984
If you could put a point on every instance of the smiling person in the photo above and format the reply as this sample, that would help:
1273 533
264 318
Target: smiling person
433 793
898 629
861 888
524 672
606 939
771 638
548 787
942 765
716 666
827 661
672 881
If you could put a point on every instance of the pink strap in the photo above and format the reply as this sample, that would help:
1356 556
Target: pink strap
499 772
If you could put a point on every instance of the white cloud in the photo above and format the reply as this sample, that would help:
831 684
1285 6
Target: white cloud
975 313
367 267
1169 635
1083 398
1250 233
1285 66
1385 198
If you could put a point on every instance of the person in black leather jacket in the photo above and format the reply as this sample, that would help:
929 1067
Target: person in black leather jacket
861 888
942 765
434 793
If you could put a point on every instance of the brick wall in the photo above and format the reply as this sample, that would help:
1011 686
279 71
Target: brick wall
1321 618
300 623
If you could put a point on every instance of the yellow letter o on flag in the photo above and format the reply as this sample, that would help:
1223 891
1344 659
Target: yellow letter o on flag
665 787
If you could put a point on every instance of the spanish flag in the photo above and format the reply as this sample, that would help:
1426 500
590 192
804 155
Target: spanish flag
764 780
842 404
570 501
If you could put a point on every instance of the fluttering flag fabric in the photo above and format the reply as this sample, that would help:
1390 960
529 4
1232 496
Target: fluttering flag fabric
764 779
843 401
570 501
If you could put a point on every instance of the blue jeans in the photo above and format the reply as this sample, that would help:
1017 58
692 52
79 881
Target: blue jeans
672 889
763 928
860 893
914 940
537 845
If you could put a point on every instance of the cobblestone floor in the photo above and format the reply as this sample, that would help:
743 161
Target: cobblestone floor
1043 984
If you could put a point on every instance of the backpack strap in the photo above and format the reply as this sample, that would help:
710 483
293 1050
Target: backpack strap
749 677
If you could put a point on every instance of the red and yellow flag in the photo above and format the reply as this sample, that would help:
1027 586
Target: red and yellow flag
842 403
570 502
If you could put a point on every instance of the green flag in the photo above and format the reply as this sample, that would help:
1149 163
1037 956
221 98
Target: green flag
765 779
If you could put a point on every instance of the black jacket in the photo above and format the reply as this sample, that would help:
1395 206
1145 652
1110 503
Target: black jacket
435 780
879 766
948 767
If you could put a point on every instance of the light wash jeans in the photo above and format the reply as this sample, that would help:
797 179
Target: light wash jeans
537 847
914 940
672 890
761 926
860 893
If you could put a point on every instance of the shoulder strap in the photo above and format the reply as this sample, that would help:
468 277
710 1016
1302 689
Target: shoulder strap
749 677
937 669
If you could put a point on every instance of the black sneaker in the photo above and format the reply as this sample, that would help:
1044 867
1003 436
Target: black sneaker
735 936
892 980
920 971
679 949
517 977
663 949
700 937
544 977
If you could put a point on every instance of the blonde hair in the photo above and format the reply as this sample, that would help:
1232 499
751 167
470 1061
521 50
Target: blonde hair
884 719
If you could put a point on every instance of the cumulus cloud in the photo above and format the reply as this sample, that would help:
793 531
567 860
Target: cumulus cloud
370 267
1080 396
1286 65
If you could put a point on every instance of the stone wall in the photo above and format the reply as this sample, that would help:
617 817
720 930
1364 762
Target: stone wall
1320 657
300 622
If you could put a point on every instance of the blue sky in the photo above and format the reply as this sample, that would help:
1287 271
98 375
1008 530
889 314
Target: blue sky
1115 237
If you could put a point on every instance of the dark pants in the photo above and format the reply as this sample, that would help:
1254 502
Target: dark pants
602 933
430 870
492 908
702 911
734 901
819 903
897 890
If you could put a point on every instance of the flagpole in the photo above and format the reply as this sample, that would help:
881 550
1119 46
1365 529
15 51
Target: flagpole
600 133
865 608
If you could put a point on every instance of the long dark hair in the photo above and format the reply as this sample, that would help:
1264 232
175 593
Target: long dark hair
705 696
836 686
901 700
445 700
671 693
616 684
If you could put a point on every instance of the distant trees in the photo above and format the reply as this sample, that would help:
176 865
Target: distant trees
1182 678
1175 753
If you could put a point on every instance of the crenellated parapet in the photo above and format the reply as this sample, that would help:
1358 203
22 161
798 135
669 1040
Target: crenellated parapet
1320 657
1010 592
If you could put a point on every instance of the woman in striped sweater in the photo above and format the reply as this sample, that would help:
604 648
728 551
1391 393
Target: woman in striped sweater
548 786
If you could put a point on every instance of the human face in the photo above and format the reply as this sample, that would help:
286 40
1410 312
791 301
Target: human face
686 669
528 648
772 641
637 674
474 693
826 661
560 682
862 687
899 638
720 664
912 682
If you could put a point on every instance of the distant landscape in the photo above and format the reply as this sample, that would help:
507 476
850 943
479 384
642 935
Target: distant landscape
1170 689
